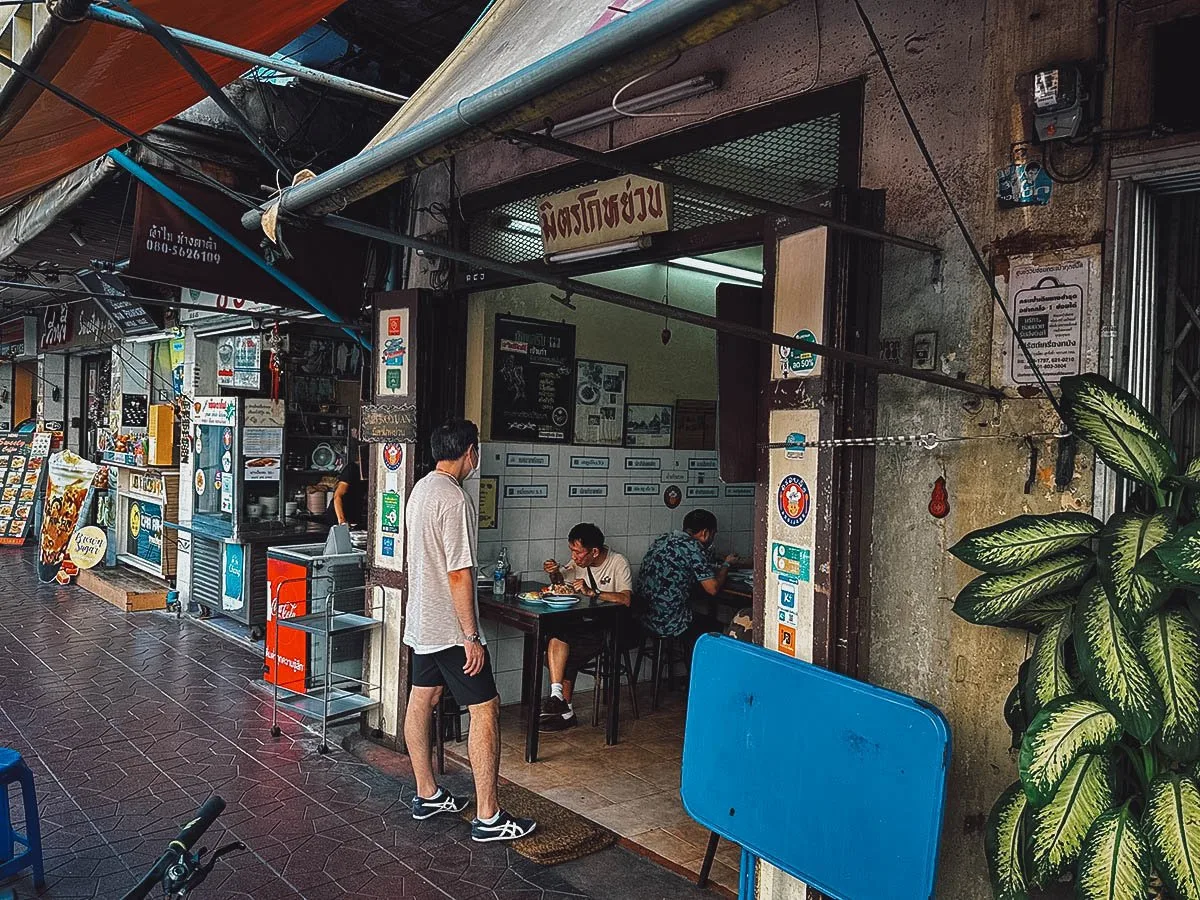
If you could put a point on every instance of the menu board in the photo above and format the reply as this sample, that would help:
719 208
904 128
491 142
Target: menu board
533 380
239 361
22 468
135 410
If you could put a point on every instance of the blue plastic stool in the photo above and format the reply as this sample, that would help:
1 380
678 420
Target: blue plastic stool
13 769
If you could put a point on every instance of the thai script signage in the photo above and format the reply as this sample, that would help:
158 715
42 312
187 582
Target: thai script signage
614 210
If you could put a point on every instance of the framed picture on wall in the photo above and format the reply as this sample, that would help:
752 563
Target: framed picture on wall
695 425
649 425
600 402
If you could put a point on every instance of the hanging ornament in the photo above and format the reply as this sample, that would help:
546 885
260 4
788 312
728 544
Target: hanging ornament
939 500
666 332
275 346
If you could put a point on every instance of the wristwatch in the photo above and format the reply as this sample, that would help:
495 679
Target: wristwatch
472 638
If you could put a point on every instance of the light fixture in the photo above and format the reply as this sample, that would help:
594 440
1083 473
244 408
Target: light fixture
567 256
716 268
683 90
76 234
520 226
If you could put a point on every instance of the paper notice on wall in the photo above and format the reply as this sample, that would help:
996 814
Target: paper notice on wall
1052 303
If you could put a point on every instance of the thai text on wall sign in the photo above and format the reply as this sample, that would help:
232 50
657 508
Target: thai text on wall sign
610 211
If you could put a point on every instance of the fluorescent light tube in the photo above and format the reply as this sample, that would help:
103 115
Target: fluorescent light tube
716 268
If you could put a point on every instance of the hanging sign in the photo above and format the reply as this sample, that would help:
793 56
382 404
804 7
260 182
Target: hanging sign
109 292
18 337
615 210
388 424
56 326
239 361
533 371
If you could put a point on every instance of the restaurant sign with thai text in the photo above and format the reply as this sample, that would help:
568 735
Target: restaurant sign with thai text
615 210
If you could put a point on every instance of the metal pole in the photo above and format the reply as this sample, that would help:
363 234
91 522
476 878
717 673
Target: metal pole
220 48
178 200
629 301
616 161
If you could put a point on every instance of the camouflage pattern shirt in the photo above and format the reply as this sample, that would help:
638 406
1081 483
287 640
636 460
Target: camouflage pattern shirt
672 568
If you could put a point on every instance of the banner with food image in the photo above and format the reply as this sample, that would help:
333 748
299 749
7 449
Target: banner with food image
68 492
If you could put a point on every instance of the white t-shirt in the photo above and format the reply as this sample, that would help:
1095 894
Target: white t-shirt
612 576
442 532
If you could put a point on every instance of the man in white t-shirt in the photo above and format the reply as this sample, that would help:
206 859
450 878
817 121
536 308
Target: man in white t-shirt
442 628
595 570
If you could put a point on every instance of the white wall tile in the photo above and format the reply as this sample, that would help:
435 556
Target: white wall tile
616 521
661 520
507 631
540 551
639 521
567 518
543 524
508 684
518 556
507 655
514 525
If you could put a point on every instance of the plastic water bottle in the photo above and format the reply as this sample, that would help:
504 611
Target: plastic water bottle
499 573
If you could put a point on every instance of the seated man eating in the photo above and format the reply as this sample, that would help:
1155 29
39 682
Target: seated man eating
597 571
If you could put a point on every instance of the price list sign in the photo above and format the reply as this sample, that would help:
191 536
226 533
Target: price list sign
22 473
533 380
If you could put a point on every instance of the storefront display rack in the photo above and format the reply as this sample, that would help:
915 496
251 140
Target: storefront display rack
337 694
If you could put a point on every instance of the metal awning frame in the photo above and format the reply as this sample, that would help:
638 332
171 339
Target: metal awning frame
259 60
625 164
573 287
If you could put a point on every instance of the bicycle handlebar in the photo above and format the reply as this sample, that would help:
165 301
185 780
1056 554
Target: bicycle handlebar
187 838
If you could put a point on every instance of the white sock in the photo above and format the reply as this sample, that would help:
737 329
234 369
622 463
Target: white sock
570 711
556 690
493 820
436 794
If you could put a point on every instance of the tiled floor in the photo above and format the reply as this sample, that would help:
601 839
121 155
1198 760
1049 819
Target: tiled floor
130 721
631 787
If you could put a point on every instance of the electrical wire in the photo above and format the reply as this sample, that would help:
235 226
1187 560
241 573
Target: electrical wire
958 219
1058 177
636 115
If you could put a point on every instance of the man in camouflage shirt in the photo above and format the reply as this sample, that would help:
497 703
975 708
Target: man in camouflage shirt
672 568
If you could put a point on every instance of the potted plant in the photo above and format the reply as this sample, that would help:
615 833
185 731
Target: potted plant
1106 710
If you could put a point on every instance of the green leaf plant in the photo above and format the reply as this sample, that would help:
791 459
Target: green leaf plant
1106 711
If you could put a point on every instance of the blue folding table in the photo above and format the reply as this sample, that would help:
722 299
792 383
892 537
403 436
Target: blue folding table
836 782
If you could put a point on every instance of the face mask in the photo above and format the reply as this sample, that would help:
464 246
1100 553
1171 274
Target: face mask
475 466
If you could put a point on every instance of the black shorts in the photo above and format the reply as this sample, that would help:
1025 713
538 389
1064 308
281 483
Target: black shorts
445 669
584 642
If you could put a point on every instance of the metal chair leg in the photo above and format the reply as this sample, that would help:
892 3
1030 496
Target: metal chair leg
709 855
439 736
659 652
597 688
632 683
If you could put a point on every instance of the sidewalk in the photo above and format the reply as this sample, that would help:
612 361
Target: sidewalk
130 721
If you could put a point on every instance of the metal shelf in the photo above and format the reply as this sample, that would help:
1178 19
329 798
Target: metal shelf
313 704
339 623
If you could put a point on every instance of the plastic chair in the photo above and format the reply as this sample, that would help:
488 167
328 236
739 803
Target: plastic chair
14 770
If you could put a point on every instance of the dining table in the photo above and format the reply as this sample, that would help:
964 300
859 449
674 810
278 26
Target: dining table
535 620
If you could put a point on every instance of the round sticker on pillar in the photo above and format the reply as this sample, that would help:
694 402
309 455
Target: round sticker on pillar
797 362
393 455
794 500
200 483
672 496
88 546
227 437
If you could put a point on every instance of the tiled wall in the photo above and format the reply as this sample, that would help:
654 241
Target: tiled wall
534 529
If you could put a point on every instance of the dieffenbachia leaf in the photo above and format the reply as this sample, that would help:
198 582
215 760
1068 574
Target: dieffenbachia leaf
995 599
1017 543
1115 861
1181 554
1059 827
1124 543
1036 614
1171 824
1004 843
1056 737
1112 665
1047 678
1125 435
1170 644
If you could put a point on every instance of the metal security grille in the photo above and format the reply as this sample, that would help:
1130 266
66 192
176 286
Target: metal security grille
207 571
788 165
1179 283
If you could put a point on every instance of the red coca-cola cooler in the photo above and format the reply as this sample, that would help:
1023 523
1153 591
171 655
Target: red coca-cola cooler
316 613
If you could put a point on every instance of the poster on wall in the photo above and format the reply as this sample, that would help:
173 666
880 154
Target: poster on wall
600 402
695 425
1051 304
392 361
135 410
22 463
239 361
649 426
533 375
143 531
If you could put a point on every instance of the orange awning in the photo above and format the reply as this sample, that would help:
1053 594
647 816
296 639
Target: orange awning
127 76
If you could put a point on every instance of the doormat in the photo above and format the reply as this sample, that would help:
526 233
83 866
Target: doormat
561 836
